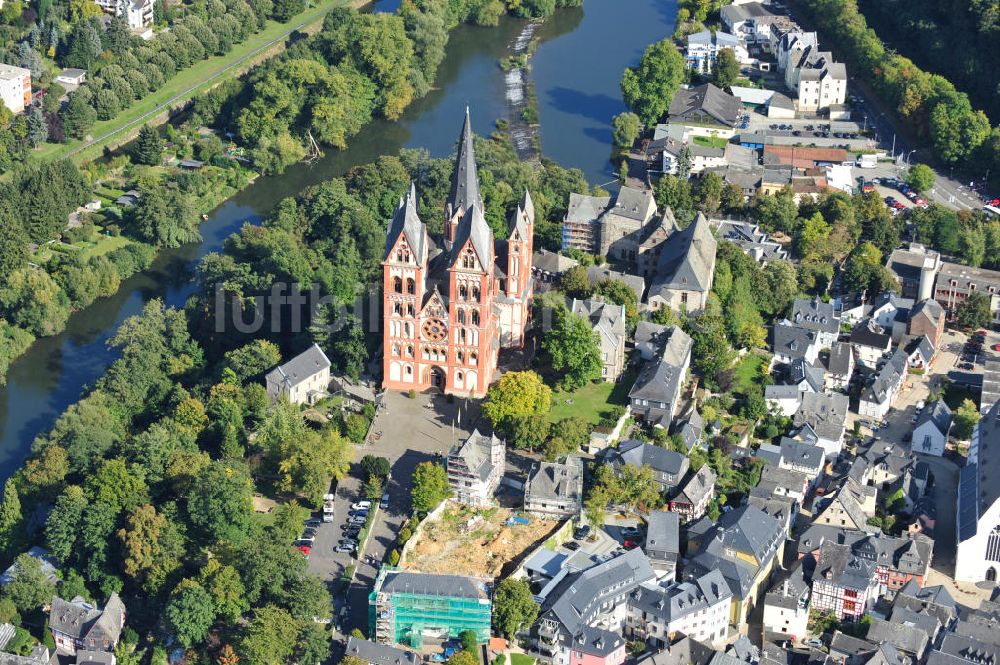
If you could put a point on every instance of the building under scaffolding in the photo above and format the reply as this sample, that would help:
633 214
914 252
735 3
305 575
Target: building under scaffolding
405 607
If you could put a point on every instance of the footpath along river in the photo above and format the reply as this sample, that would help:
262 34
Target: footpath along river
576 71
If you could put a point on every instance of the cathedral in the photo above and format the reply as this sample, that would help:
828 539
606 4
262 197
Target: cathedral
449 304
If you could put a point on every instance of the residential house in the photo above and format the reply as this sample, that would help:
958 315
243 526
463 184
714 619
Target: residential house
669 467
698 608
801 157
788 47
690 428
548 267
47 565
705 105
663 540
849 650
598 274
849 508
745 545
475 468
15 87
740 19
783 398
784 509
844 582
892 312
822 420
775 481
608 226
39 655
71 76
934 600
920 351
608 322
138 13
652 338
906 637
961 650
804 458
927 319
978 507
816 315
656 392
692 500
374 653
700 157
871 342
955 282
555 490
819 81
685 651
77 625
791 342
898 560
302 380
786 607
754 242
930 433
581 615
685 269
878 397
704 47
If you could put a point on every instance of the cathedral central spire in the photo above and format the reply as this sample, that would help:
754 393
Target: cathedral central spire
465 181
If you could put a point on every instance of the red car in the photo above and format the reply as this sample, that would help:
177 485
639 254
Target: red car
630 544
995 347
305 549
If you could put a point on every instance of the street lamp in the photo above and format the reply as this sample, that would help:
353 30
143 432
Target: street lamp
907 160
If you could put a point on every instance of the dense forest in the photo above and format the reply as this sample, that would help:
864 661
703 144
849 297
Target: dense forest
959 39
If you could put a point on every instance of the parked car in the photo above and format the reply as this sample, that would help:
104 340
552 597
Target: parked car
315 522
348 541
384 501
967 366
572 545
630 544
305 549
356 520
631 532
581 532
995 347
361 505
304 539
343 549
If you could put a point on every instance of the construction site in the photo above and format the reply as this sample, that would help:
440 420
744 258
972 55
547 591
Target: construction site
478 542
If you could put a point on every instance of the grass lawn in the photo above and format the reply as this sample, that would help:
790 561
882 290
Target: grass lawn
186 84
593 399
710 141
103 246
521 659
747 372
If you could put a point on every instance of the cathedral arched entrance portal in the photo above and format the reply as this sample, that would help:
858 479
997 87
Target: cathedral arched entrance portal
437 378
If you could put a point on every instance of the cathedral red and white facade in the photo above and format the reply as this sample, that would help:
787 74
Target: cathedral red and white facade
450 304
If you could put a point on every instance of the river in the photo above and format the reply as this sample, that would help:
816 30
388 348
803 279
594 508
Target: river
576 69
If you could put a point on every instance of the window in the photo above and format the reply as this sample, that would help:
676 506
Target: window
411 286
463 292
475 317
461 316
993 545
397 308
475 293
397 284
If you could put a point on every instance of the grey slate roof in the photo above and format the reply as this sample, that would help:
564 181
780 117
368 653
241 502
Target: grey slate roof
598 274
663 531
578 597
685 651
406 221
840 565
792 341
825 414
475 452
906 638
848 646
841 359
639 453
801 453
888 380
791 589
780 391
930 308
585 208
773 478
814 314
465 183
708 100
869 333
687 259
607 319
300 368
379 654
432 584
799 370
698 486
938 413
651 338
745 529
78 619
557 481
681 599
552 262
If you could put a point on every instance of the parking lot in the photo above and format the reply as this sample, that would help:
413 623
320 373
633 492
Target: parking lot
406 432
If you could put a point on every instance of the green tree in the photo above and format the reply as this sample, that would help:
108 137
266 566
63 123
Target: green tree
649 87
965 419
469 640
219 504
34 301
30 587
776 212
920 177
517 395
253 359
11 519
152 547
974 311
726 69
575 283
148 147
626 129
514 607
189 612
269 638
373 465
574 349
430 487
78 115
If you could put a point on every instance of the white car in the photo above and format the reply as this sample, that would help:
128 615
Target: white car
361 505
356 520
343 549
